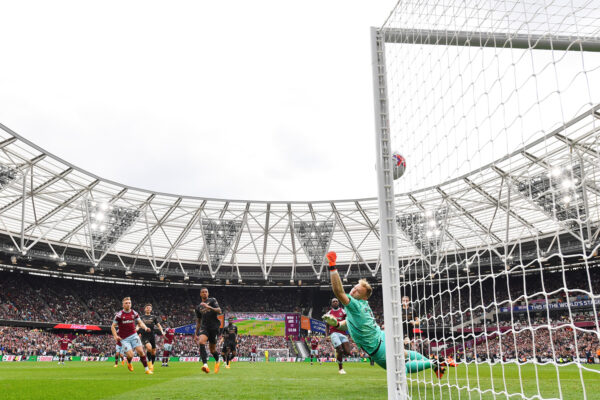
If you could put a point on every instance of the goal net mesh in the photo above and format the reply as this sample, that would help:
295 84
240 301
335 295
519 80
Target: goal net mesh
495 105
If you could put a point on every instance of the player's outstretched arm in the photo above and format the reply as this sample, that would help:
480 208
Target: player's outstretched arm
336 282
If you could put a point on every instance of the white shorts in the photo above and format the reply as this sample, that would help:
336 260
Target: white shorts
315 352
62 352
254 355
130 342
167 347
118 349
337 339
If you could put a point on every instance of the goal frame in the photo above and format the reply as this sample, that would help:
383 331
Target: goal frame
390 270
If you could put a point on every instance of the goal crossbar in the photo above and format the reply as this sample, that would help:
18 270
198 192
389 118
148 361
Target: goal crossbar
490 39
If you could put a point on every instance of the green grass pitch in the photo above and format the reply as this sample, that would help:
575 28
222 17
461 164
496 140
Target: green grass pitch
261 328
95 380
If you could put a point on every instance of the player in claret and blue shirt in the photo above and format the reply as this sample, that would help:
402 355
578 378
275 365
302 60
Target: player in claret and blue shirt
64 346
126 321
169 338
338 337
314 349
360 323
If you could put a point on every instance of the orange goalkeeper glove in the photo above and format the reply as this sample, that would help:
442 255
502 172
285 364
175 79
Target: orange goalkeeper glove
331 257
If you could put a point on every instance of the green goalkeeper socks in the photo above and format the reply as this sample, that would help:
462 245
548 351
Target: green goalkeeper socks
416 366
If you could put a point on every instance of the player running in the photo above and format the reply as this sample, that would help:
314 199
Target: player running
363 328
119 354
64 346
207 328
339 338
314 349
253 353
148 338
169 338
126 321
229 342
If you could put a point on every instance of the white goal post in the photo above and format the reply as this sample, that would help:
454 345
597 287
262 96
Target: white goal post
494 230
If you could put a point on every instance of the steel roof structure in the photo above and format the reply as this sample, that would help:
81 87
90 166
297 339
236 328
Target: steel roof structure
47 204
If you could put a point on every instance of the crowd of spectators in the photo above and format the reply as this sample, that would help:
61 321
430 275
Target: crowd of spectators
559 344
30 342
476 304
36 342
32 298
472 302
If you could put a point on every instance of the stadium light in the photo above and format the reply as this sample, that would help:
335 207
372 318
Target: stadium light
559 193
108 223
315 238
425 229
7 175
219 235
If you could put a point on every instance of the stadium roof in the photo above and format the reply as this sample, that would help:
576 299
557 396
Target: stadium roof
45 201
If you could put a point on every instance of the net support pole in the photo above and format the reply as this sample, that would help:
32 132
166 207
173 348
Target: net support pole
390 273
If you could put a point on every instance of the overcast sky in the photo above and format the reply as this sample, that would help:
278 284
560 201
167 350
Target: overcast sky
233 99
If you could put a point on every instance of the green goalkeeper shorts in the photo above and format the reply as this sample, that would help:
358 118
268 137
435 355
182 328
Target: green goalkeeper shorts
379 355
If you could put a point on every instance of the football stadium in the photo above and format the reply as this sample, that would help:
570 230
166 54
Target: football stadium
473 271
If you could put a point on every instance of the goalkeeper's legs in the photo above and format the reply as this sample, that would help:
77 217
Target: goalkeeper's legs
416 362
413 355
416 366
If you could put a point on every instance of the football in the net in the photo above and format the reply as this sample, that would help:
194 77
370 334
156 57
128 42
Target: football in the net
399 165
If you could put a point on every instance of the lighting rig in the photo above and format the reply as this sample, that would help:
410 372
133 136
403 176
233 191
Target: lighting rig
7 175
315 238
559 192
107 224
425 229
219 236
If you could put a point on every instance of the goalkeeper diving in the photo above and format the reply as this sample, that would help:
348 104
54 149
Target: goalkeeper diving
361 325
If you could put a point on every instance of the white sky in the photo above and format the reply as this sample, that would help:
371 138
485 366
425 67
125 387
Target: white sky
232 99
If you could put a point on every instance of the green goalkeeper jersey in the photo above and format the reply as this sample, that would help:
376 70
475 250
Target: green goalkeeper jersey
362 326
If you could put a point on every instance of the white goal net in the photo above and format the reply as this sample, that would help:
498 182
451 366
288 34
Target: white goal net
493 231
